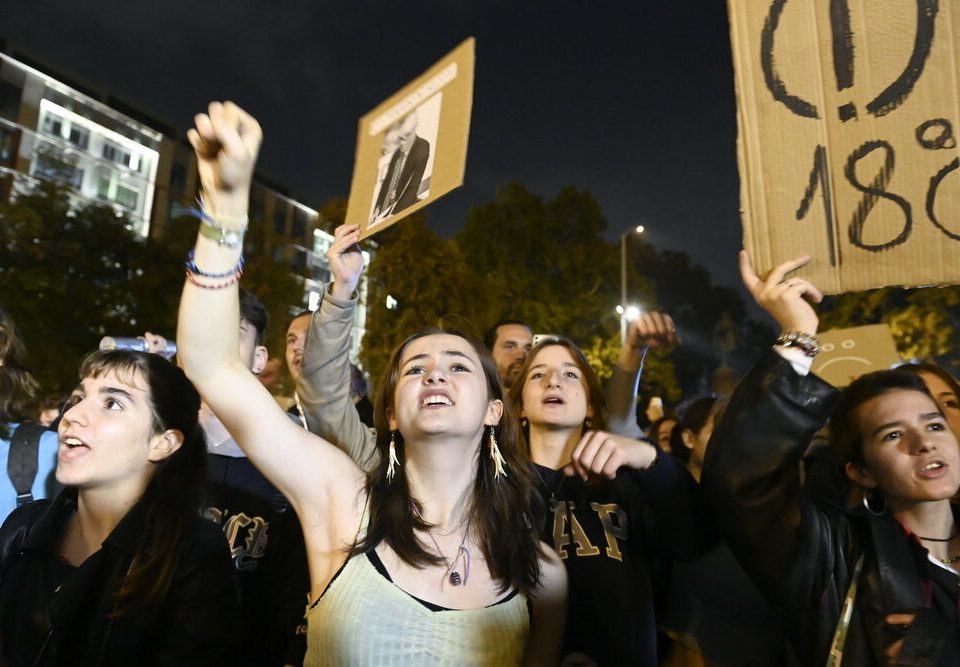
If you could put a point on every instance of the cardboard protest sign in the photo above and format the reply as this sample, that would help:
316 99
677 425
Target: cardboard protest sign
849 353
412 148
848 115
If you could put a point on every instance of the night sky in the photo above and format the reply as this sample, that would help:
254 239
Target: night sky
632 100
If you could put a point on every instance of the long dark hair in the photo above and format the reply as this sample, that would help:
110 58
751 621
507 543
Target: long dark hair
18 387
503 512
595 399
175 493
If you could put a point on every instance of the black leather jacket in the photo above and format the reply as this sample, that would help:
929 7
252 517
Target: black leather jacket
801 553
54 614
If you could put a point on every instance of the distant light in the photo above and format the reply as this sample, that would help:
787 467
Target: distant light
313 300
640 229
619 310
632 313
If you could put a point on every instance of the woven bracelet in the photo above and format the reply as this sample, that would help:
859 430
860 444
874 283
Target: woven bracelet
197 271
234 278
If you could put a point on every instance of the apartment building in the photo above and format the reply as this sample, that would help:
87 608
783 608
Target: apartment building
108 151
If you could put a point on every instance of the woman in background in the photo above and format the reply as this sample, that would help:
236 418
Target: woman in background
33 469
120 568
617 504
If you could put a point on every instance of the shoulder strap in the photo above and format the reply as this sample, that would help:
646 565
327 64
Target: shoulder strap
22 460
840 634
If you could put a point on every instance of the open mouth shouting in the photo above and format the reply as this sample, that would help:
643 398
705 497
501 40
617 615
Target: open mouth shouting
72 447
933 469
435 399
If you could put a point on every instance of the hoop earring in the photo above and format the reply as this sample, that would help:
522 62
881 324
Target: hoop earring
393 462
498 461
866 503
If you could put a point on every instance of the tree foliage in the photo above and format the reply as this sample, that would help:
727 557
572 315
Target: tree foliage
924 321
429 282
70 277
547 263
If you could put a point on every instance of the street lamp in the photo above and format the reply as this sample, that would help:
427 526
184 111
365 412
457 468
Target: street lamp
627 313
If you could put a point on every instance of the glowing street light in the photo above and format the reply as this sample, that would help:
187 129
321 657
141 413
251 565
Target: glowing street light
623 309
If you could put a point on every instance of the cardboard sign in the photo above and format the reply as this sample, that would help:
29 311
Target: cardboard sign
412 149
848 115
849 353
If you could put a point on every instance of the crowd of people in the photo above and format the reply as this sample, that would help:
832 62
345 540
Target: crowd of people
493 504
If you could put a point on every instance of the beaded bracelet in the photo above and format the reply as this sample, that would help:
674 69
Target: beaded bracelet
234 278
197 271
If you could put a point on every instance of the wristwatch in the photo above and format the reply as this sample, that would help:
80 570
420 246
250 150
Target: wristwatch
805 342
224 236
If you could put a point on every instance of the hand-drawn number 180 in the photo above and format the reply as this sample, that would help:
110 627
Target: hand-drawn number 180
877 187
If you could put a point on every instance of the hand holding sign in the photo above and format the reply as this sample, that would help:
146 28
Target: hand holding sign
412 148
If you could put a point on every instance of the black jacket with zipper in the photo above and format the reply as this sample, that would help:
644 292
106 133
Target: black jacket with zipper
54 614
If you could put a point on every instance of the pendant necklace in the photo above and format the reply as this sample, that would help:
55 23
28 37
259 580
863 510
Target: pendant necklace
452 574
553 500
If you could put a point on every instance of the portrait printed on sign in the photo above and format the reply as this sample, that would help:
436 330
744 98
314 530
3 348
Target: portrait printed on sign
412 148
406 161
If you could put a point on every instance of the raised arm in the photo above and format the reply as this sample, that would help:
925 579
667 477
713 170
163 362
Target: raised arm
323 387
226 141
751 475
649 331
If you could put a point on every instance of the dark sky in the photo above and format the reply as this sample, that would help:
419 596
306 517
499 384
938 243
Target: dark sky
632 100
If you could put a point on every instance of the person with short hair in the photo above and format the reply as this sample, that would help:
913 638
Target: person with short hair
509 342
400 187
261 527
877 582
296 341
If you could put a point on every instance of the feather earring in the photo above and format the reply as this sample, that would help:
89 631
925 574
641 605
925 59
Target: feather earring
393 462
498 461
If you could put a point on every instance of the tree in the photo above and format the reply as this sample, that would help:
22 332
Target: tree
548 264
545 263
924 321
70 277
427 280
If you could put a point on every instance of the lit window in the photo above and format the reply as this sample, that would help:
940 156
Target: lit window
126 196
79 136
53 124
116 154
